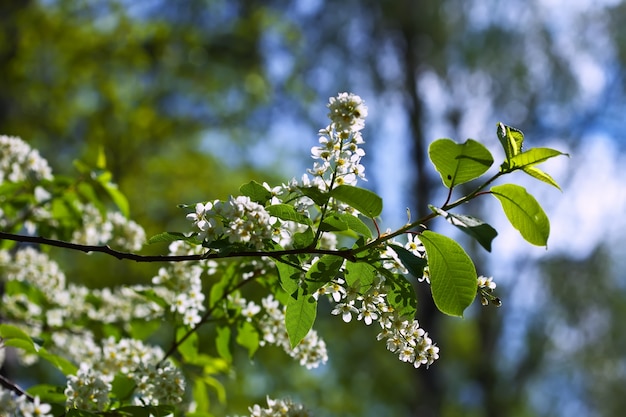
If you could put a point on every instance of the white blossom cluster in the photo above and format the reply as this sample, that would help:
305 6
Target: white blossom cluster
337 162
67 302
338 158
19 162
310 352
99 364
279 408
403 335
15 405
114 229
183 285
239 219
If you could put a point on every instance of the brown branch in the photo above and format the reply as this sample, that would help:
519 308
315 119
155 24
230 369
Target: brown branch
346 254
11 386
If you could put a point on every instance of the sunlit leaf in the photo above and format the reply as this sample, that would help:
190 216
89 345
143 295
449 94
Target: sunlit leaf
289 277
532 157
256 192
248 337
322 271
459 163
524 213
287 212
300 316
222 343
189 347
541 176
512 140
365 201
452 273
360 273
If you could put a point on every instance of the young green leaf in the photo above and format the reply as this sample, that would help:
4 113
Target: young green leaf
512 140
189 348
452 273
476 228
459 163
248 337
256 192
365 201
532 157
300 316
118 197
541 176
524 213
222 343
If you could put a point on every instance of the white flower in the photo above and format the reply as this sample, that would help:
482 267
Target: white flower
346 310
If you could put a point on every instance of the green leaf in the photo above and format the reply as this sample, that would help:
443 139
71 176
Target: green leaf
326 268
300 316
318 196
189 348
360 273
346 221
541 176
222 343
200 397
476 228
512 140
365 201
524 213
303 239
16 337
452 273
219 289
141 329
256 192
248 337
118 197
400 294
122 386
532 157
169 237
48 393
414 264
287 212
289 277
8 331
459 163
333 224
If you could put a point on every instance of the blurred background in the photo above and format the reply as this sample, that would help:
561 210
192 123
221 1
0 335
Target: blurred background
190 99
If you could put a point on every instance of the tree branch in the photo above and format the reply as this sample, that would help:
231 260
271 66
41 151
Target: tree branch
346 254
13 387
